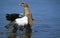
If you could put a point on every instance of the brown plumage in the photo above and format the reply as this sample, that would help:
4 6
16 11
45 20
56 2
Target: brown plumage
27 13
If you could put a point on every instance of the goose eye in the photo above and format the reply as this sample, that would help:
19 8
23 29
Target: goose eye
22 3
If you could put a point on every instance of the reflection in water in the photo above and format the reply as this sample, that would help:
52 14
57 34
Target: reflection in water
12 36
25 35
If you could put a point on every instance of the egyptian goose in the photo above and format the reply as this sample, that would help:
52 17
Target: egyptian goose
27 19
27 12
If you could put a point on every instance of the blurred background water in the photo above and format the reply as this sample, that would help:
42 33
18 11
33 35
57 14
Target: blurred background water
48 11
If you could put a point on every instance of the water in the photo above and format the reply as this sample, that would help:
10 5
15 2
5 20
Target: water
45 10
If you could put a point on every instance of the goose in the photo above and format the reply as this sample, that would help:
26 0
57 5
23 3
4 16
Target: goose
25 21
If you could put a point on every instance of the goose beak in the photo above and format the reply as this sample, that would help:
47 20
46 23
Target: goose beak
20 4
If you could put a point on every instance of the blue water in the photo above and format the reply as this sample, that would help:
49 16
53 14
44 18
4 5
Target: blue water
48 11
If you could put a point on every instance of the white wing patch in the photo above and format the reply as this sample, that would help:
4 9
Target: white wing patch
22 21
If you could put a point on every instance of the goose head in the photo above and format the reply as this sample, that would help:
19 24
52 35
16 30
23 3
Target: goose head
24 4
